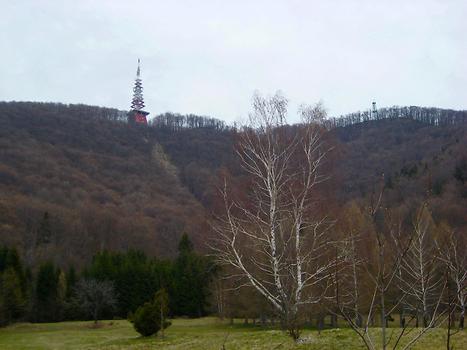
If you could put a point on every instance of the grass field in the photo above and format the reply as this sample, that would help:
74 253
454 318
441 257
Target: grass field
197 334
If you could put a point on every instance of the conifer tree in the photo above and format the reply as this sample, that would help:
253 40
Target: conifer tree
71 280
191 277
46 302
44 232
12 300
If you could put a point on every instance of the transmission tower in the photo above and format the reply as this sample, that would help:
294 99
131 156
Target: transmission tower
137 114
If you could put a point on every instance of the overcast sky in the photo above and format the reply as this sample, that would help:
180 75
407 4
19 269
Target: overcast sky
208 57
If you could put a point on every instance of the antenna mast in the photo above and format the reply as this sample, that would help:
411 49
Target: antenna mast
374 111
137 113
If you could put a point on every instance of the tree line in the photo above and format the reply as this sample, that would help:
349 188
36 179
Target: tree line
113 284
427 115
10 109
176 122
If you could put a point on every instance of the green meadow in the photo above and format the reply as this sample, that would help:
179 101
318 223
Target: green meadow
197 334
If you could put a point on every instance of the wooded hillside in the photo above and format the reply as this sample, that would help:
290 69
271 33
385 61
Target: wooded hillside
73 182
76 179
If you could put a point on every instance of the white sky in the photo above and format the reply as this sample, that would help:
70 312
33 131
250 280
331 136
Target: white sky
208 57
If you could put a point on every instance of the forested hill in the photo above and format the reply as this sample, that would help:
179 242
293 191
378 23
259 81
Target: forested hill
73 182
416 162
76 179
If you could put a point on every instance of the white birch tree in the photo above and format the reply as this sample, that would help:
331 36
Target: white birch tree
276 240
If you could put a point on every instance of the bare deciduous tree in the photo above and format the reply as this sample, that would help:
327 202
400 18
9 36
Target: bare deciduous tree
421 279
403 271
276 240
454 255
94 296
380 267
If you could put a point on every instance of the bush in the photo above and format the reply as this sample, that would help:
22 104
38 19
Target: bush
147 319
151 317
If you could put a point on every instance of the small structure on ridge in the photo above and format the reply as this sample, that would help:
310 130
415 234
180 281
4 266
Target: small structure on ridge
137 115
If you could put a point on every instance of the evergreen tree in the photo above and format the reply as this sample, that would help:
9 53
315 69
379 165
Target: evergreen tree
13 286
47 303
71 280
3 253
191 277
9 258
72 309
44 232
12 299
185 246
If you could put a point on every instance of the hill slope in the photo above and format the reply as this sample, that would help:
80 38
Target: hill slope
420 162
75 179
103 185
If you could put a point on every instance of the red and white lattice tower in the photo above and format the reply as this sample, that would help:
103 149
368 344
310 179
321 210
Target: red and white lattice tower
137 114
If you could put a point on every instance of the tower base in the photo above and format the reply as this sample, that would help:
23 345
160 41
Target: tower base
137 117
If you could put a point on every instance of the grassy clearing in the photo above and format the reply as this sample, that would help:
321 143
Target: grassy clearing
197 334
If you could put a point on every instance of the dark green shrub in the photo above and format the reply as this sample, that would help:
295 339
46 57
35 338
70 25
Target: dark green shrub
146 320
